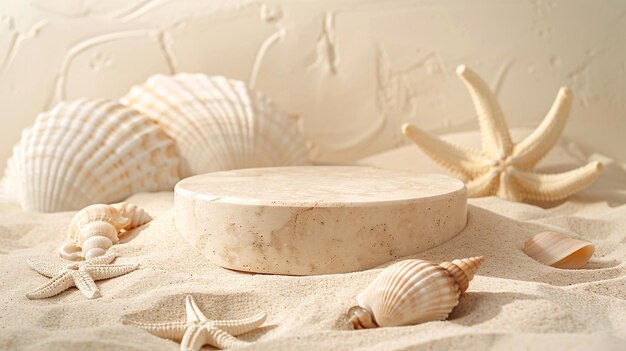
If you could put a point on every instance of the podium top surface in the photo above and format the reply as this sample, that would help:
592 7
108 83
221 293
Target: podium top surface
317 186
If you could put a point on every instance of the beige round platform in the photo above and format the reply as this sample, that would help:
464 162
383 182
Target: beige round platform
316 219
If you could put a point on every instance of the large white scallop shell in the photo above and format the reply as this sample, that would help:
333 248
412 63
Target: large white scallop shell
218 123
556 250
89 151
413 291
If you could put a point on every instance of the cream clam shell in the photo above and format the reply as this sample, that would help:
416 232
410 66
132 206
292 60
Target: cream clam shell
559 251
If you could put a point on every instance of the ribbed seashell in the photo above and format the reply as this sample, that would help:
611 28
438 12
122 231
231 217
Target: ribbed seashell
557 250
92 231
218 123
137 215
89 151
96 238
413 291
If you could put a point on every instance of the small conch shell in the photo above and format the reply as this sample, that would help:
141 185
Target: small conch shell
556 250
95 228
97 238
137 215
413 291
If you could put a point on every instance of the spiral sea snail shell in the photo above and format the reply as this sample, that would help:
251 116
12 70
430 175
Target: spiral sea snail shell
137 215
95 228
413 291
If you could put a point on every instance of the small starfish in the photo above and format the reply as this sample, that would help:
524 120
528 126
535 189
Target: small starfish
198 331
502 168
79 274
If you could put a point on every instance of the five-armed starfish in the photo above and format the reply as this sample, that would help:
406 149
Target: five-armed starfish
198 330
502 168
78 274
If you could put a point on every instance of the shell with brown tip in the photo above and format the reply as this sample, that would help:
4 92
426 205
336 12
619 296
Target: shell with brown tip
413 291
559 251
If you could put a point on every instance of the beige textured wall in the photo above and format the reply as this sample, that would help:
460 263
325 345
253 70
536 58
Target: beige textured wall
354 70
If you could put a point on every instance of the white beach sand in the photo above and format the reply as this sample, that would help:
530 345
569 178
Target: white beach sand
513 302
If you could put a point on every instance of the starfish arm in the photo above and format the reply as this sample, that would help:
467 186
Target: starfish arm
553 187
106 271
48 269
194 314
535 146
484 185
84 282
194 338
54 286
507 188
241 326
464 162
104 259
167 330
221 339
493 129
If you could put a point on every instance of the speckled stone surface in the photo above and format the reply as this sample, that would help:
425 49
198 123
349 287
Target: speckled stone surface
316 219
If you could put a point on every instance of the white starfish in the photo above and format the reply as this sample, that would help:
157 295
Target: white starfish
502 168
198 330
79 274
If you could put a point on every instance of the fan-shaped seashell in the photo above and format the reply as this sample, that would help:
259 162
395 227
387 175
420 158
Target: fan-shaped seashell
556 250
89 151
218 123
92 231
137 215
413 291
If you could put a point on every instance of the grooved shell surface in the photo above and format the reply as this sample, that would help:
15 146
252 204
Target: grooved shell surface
89 151
137 216
219 124
94 214
410 292
559 251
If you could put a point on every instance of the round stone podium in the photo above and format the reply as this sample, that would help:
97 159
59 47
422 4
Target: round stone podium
316 219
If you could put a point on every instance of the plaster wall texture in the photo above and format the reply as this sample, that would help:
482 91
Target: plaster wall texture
353 70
